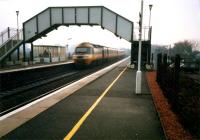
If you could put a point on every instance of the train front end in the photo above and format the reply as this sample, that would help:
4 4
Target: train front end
83 55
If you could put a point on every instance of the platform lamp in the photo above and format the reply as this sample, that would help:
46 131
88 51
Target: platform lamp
139 73
149 34
150 7
17 13
69 55
68 42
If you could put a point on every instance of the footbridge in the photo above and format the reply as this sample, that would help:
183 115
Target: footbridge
53 17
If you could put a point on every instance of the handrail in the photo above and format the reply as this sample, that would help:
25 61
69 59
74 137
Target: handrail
4 55
19 34
6 34
13 41
145 31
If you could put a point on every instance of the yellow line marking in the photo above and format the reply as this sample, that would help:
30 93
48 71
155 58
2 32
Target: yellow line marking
84 117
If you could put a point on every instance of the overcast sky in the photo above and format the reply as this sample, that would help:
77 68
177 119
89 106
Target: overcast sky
172 20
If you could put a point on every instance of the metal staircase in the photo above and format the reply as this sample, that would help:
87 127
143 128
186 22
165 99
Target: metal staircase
10 40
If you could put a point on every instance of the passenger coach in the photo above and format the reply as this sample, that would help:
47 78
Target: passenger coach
86 54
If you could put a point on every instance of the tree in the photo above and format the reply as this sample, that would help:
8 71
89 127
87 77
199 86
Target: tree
196 45
184 49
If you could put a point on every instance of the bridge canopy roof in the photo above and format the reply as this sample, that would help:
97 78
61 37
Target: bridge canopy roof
53 17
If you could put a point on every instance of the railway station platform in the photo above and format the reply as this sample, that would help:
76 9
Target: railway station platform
100 106
34 66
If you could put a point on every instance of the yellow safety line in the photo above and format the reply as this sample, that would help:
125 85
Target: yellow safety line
84 117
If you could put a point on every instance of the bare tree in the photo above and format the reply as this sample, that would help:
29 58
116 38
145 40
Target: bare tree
196 45
183 48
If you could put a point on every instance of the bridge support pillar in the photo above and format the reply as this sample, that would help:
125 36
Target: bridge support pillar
18 54
31 53
25 63
132 58
10 58
24 52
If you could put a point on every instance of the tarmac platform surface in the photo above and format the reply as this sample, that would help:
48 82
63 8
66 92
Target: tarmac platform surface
120 114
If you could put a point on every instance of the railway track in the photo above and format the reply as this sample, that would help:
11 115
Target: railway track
20 96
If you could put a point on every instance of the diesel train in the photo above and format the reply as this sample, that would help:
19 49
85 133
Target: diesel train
91 54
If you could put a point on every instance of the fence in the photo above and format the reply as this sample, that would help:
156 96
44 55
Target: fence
182 91
146 33
168 75
11 42
6 34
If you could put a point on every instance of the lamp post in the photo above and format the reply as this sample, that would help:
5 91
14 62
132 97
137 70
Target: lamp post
139 73
68 42
149 34
17 12
150 7
18 53
68 53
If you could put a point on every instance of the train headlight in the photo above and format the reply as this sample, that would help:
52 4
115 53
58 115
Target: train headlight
87 56
74 57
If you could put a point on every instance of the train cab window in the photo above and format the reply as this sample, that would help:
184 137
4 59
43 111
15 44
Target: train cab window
83 50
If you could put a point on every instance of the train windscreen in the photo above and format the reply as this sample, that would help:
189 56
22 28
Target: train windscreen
83 50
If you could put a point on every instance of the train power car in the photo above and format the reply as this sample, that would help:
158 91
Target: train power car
87 54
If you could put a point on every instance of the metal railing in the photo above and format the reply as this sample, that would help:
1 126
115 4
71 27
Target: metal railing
11 42
7 34
145 33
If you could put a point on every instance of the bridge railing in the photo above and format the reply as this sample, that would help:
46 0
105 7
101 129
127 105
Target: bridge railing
6 34
11 42
146 33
